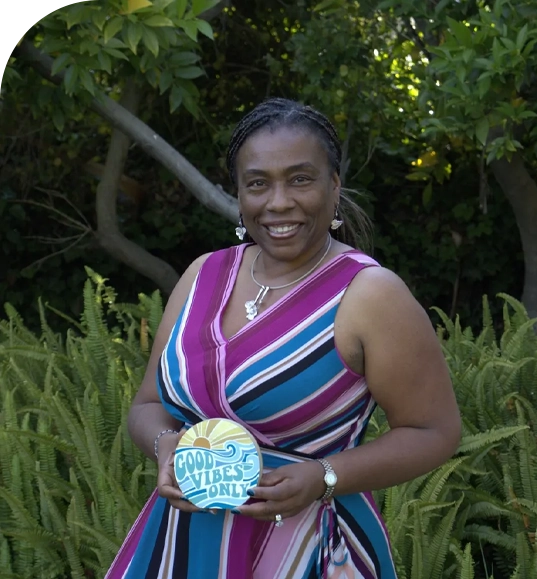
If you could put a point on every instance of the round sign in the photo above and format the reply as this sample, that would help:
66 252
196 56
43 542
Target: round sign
216 462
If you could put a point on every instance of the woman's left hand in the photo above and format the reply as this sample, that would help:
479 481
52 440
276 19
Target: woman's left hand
286 491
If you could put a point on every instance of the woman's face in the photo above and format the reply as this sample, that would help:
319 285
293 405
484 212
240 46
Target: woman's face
287 191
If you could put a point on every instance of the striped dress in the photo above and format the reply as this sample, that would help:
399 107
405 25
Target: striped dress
282 377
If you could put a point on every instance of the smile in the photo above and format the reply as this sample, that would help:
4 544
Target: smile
279 229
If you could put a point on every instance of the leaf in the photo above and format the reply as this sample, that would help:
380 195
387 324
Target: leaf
461 32
105 62
483 85
151 41
99 18
157 20
200 6
482 131
60 63
473 442
189 72
417 176
521 37
183 58
116 53
58 119
87 81
190 28
134 5
134 35
205 28
427 194
112 28
181 8
176 98
70 78
165 81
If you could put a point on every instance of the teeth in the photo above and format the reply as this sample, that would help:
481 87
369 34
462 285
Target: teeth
282 228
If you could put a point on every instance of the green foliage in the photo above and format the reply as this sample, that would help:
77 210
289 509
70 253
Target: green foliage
72 482
476 516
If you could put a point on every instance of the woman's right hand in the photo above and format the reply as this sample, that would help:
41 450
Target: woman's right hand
166 481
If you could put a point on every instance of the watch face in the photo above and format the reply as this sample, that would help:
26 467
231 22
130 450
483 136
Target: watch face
330 479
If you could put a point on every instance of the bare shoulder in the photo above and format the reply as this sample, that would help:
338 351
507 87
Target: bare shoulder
377 295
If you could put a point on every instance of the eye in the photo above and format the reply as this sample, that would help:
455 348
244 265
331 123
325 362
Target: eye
256 184
301 179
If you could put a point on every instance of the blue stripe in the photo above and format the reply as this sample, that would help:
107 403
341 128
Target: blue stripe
142 556
204 545
289 348
294 390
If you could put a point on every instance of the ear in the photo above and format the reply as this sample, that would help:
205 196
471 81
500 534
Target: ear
336 187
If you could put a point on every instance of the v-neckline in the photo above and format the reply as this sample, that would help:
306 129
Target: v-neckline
233 279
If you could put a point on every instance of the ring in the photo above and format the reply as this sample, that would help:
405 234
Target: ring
278 520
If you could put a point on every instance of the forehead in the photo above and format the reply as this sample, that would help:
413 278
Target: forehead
280 147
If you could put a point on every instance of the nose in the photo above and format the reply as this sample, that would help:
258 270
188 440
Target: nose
279 199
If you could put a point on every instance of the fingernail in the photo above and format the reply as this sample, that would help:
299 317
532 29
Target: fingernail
235 512
250 493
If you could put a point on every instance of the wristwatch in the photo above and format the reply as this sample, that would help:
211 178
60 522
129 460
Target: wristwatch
330 479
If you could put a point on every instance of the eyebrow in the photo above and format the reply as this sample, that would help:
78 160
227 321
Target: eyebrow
291 169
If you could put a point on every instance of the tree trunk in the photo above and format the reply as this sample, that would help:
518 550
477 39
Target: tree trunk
521 191
108 234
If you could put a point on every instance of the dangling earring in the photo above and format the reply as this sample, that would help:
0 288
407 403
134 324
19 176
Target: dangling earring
240 231
337 222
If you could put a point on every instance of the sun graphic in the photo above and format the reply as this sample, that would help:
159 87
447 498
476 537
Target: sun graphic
214 434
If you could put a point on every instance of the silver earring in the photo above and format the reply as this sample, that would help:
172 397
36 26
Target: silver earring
337 222
240 231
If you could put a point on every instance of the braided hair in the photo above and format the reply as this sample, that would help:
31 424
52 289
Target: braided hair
279 112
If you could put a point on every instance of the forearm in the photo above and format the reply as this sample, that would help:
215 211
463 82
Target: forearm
146 421
400 455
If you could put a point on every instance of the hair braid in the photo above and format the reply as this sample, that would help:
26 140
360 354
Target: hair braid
277 112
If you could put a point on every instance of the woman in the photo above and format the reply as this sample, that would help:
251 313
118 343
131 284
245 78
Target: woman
298 337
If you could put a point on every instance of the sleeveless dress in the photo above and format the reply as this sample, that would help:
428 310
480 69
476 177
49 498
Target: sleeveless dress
281 377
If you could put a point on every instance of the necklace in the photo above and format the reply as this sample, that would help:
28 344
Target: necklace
252 306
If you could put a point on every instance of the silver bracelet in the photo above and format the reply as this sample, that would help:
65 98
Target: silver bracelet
169 430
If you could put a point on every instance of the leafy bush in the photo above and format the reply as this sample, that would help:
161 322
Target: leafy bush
72 482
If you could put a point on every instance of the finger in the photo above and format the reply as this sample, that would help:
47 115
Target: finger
271 478
265 510
281 491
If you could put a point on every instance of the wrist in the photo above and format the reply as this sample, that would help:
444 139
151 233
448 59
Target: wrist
329 480
166 443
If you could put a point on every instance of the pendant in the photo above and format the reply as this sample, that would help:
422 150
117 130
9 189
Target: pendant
251 309
252 305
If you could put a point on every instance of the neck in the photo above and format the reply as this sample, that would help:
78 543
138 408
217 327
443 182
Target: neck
275 272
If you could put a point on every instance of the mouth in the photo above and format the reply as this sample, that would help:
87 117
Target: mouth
283 230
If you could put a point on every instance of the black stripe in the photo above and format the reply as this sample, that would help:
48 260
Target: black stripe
284 376
360 535
182 539
190 416
156 555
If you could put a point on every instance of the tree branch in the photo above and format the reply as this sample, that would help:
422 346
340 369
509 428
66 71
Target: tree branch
108 234
206 192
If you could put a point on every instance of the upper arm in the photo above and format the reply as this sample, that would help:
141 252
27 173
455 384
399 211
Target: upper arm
404 364
148 389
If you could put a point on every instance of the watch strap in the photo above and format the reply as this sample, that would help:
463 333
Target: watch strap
329 488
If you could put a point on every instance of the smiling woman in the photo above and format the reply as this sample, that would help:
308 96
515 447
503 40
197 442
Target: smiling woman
327 335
